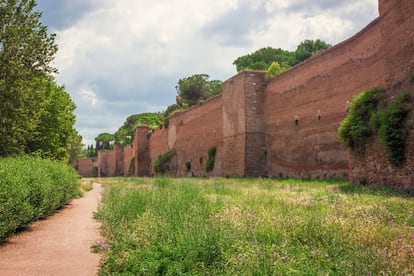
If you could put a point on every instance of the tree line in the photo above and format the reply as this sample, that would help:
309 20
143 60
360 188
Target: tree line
36 114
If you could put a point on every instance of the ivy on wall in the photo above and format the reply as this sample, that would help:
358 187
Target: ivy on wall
359 126
393 128
211 159
159 165
370 114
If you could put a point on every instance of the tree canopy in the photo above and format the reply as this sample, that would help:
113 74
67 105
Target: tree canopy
125 134
191 90
104 140
36 115
263 58
279 59
309 48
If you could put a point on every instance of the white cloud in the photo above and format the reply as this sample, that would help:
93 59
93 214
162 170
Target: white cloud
120 57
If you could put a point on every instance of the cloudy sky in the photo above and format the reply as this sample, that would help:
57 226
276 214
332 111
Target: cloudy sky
122 57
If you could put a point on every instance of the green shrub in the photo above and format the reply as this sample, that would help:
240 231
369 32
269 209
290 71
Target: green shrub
159 165
211 159
32 188
361 121
370 113
393 128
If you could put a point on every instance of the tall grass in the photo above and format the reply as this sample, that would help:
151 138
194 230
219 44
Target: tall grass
168 226
32 188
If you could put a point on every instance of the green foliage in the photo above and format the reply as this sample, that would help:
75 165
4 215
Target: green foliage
126 133
211 159
170 109
32 188
309 48
359 125
370 113
263 58
192 90
26 51
159 166
393 128
36 114
75 147
104 140
166 226
54 134
274 70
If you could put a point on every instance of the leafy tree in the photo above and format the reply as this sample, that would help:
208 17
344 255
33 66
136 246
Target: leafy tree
54 134
192 90
26 51
75 148
125 134
104 140
308 48
263 58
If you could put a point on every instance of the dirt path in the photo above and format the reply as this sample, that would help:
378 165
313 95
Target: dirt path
58 245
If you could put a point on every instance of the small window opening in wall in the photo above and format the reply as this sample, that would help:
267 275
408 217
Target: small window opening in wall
296 121
319 115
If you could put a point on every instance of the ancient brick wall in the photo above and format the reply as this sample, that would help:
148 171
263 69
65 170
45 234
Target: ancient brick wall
304 106
244 149
142 153
397 27
87 167
111 162
287 125
158 144
129 160
191 133
373 168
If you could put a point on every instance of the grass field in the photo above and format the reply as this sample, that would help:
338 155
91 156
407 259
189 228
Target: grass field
166 226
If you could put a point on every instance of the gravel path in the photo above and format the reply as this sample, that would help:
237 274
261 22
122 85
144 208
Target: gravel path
58 245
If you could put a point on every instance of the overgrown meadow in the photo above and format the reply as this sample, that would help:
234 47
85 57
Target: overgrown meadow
166 226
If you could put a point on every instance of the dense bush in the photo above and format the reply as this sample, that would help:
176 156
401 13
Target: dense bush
32 188
393 128
359 125
372 114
